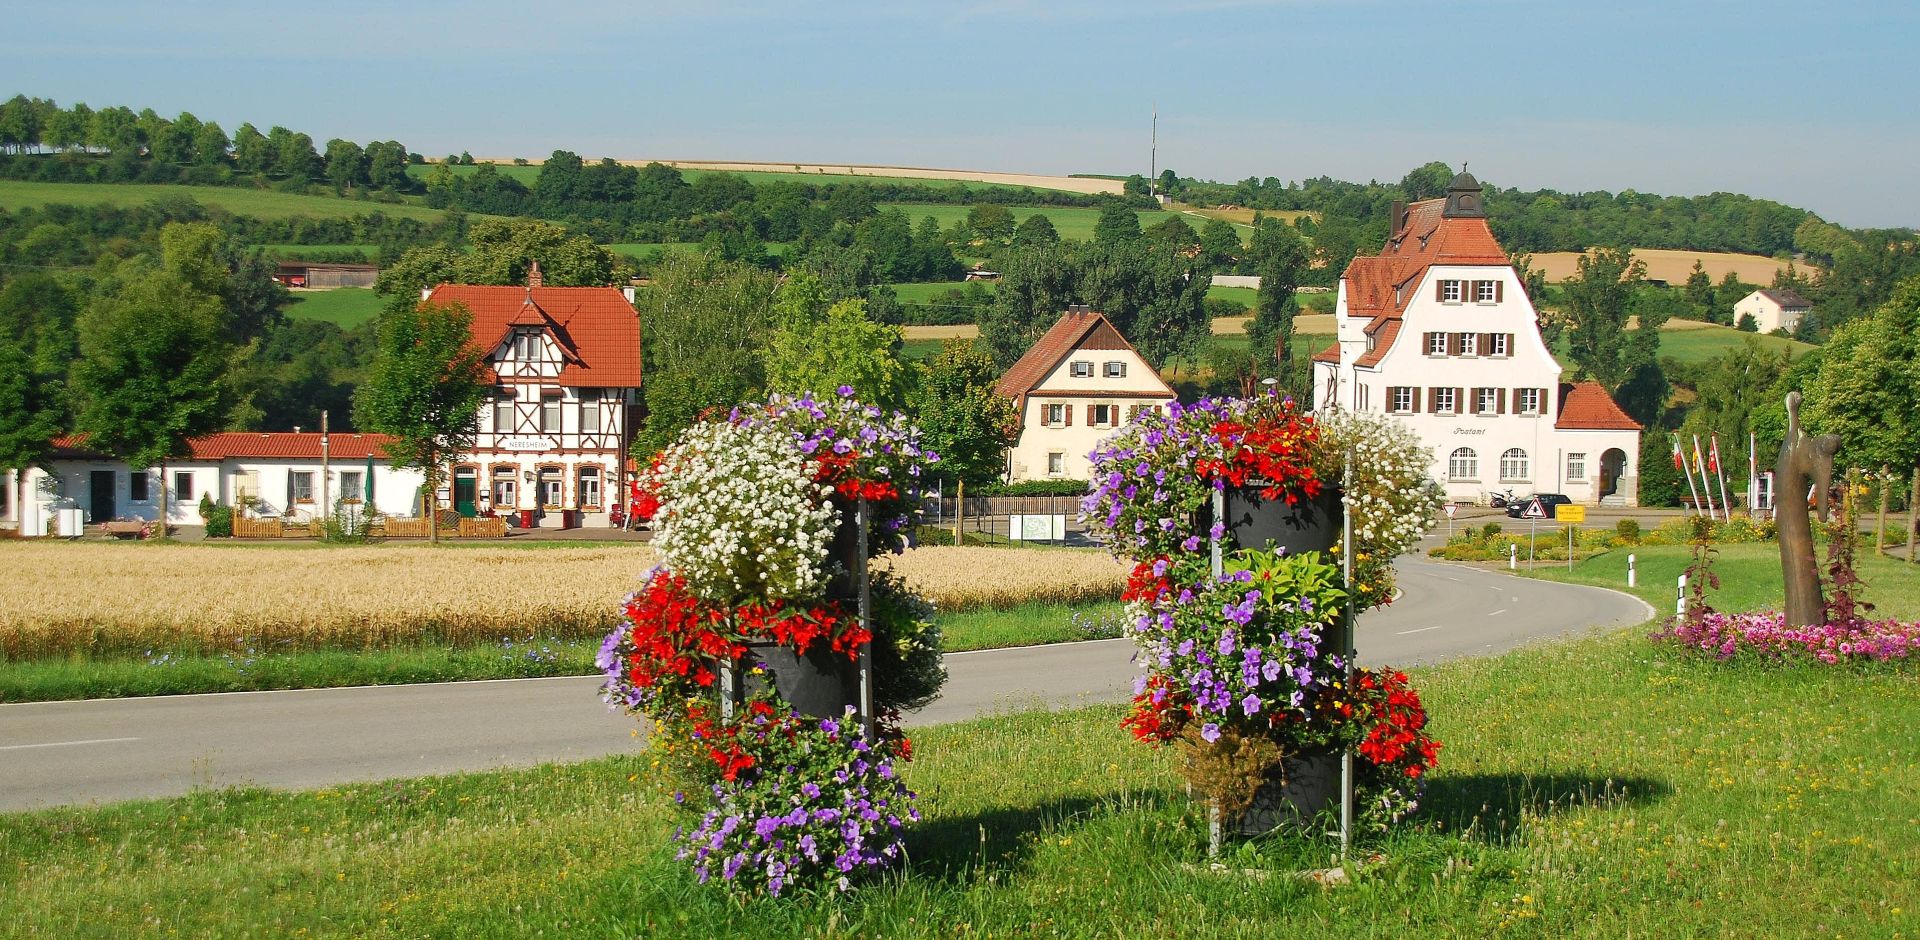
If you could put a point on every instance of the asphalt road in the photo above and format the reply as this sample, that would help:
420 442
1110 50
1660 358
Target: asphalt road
59 753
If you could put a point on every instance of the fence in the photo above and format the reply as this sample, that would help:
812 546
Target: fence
246 527
990 515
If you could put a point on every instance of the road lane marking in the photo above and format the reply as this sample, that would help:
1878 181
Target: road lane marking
20 747
1452 578
1496 613
1421 630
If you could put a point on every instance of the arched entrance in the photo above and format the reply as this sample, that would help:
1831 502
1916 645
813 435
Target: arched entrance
1612 464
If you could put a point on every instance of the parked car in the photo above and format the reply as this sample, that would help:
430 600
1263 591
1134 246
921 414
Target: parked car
1550 502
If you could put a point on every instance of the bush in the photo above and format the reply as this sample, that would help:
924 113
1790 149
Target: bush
1489 531
1628 531
219 521
1035 488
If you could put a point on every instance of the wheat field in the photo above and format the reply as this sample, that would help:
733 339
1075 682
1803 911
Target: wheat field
105 599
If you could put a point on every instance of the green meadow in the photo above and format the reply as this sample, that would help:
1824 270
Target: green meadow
345 307
260 203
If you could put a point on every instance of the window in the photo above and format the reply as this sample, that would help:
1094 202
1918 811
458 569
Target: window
1486 400
137 486
1081 370
353 485
1056 464
1056 416
550 413
1486 292
1499 343
1450 292
1577 467
1469 344
1436 344
526 346
1102 416
182 485
302 487
1115 369
590 487
1527 401
1463 464
1443 401
1513 465
503 487
503 411
590 412
550 489
1402 399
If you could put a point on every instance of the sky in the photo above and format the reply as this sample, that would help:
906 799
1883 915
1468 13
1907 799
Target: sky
1813 105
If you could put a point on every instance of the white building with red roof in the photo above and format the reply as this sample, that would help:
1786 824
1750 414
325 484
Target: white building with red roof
565 367
1437 329
1074 387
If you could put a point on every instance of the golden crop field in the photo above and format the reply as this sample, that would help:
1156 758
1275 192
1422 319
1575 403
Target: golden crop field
1673 265
104 599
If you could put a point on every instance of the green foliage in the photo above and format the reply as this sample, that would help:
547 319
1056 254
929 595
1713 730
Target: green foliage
706 325
1660 481
1035 231
1118 223
963 419
1280 258
841 347
1155 298
1288 579
426 387
1627 530
152 361
1073 488
1869 381
1598 301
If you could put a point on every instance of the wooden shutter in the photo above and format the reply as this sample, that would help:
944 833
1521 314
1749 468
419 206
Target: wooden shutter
1413 398
1500 401
1067 410
1545 409
1089 415
1499 291
1439 289
1459 401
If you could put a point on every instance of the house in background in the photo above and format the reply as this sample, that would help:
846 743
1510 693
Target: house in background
1437 330
1079 383
1773 309
286 474
554 431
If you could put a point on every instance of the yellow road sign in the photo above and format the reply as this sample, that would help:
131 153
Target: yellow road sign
1568 512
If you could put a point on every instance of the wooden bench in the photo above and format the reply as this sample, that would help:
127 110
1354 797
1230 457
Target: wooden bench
123 530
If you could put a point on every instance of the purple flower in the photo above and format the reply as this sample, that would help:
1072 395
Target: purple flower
846 391
1250 704
1209 732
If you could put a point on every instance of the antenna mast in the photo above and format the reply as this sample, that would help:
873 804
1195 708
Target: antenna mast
1153 152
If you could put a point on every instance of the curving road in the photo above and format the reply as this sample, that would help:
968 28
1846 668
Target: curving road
59 753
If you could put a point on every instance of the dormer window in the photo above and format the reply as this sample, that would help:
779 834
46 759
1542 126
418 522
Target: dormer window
526 345
1080 369
1115 369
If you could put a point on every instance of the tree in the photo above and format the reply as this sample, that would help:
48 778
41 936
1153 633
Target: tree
1169 182
251 152
1280 258
346 164
30 413
1117 223
1599 300
1035 287
1700 293
210 145
963 419
425 389
1220 245
1035 231
1173 234
1427 181
991 222
822 353
1869 380
151 368
1747 324
706 323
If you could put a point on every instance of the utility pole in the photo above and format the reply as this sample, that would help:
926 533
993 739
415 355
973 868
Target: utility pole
1153 155
326 444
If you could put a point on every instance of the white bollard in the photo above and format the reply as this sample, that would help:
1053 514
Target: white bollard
1513 557
1630 572
1680 598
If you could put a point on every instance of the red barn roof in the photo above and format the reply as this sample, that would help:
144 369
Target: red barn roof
1588 407
1078 328
597 330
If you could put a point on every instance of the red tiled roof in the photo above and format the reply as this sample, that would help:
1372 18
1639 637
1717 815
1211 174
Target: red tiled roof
1381 286
1383 337
1329 354
1588 407
1076 329
223 445
1786 297
597 330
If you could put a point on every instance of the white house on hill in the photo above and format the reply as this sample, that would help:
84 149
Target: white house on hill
1773 309
1077 384
1438 330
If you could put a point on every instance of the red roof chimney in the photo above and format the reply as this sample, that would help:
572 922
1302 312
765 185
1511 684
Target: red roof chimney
533 275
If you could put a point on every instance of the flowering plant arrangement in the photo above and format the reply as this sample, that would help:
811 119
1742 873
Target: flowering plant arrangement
746 508
1238 668
1766 635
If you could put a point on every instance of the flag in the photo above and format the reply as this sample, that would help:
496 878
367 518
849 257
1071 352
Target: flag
1713 452
1679 462
1697 459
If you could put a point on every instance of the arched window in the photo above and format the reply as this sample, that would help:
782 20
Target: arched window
1464 464
1513 465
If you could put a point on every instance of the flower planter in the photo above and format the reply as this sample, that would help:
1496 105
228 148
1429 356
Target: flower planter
819 684
1311 525
1296 792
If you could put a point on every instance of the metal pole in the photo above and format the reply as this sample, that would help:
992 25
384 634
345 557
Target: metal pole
1570 532
862 581
1533 530
726 679
1346 652
326 445
1216 566
1630 571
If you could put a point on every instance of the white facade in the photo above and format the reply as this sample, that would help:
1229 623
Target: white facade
1772 310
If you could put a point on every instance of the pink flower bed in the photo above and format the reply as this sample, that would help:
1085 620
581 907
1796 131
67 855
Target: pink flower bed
1767 634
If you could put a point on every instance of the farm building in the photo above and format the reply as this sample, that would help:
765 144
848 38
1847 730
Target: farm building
1438 330
318 276
1080 382
284 474
1773 309
554 431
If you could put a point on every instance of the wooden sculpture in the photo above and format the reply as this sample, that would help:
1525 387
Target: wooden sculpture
1804 460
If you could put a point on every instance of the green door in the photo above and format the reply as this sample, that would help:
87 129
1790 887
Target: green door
463 495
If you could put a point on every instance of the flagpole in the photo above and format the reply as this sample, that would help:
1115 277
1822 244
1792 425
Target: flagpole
1720 471
1753 473
1701 466
1680 457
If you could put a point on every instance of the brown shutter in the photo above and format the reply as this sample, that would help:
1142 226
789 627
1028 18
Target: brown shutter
1426 344
1499 290
1486 344
1439 289
1453 344
1459 401
1413 392
1067 410
1546 409
1500 401
1089 416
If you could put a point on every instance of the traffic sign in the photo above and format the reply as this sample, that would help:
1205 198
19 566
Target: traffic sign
1450 509
1569 512
1534 511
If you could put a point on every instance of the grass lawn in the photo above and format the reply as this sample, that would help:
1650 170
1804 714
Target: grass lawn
1749 577
259 203
536 653
1072 223
924 292
919 350
1600 788
347 307
1690 341
529 174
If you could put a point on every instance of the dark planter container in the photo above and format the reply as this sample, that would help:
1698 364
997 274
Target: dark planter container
1295 793
820 684
1312 525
